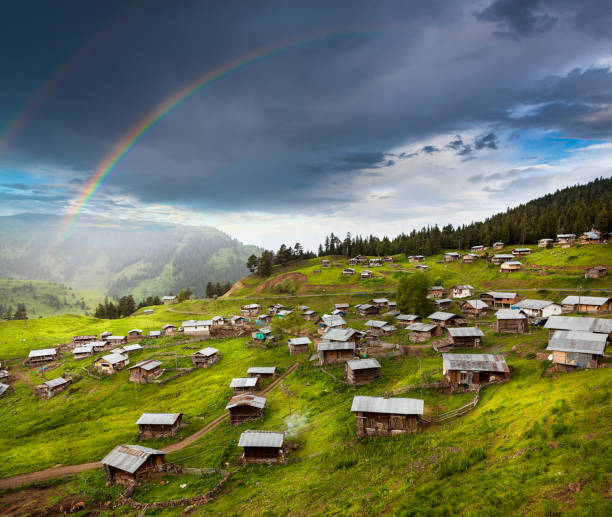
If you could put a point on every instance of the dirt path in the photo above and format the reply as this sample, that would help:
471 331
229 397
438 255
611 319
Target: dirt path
57 472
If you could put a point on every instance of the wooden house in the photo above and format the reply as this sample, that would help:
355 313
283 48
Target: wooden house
520 252
111 363
299 345
465 336
262 335
238 321
452 256
134 335
283 313
443 303
475 309
41 356
462 291
353 261
590 304
420 332
309 315
498 299
245 408
335 352
422 267
447 319
596 272
537 308
80 352
477 249
379 328
377 261
262 372
498 245
388 259
330 321
104 335
154 334
543 243
405 320
348 271
99 346
325 263
576 348
436 291
416 258
362 371
219 321
566 240
341 308
262 446
386 416
83 340
197 327
4 374
128 349
583 324
205 357
469 258
169 300
366 309
510 322
133 464
263 319
474 369
116 340
252 309
381 303
146 371
512 266
366 273
159 425
500 258
49 389
244 384
592 237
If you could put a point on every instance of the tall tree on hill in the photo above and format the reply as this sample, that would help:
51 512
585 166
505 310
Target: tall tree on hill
21 312
264 268
252 263
412 294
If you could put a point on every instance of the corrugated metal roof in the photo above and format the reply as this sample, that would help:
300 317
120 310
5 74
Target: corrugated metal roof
138 331
151 364
499 295
335 345
333 320
85 349
462 287
474 362
528 303
477 304
129 457
261 439
114 338
577 341
338 334
395 406
206 352
407 317
503 256
3 388
197 323
155 333
442 316
97 344
132 348
262 369
341 306
465 332
421 327
436 288
251 306
521 249
452 254
363 364
511 263
247 399
509 314
168 326
243 382
566 236
585 300
443 300
375 323
380 300
158 418
42 352
300 341
114 358
55 382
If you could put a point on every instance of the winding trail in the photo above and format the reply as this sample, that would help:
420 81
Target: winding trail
63 471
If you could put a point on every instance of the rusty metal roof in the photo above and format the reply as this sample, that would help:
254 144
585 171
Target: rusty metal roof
363 364
474 362
395 406
148 365
509 314
477 304
42 352
129 457
54 382
597 325
442 316
247 399
577 341
585 300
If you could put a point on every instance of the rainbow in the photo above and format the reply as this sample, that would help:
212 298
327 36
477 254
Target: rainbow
130 139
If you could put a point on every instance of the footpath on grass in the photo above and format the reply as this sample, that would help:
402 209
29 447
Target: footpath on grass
63 471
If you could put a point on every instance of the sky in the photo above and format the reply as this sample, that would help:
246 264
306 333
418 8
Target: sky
282 121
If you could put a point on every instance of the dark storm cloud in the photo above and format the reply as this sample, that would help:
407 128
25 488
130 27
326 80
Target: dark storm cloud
290 130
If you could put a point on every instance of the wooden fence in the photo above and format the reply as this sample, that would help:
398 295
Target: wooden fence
454 412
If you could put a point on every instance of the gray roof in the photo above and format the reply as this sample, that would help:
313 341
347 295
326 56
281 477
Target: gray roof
129 457
499 295
338 334
300 341
42 352
436 288
54 382
442 300
577 341
335 345
85 349
597 325
206 352
395 406
477 304
96 344
197 323
421 327
509 314
168 297
452 253
442 316
139 331
168 326
363 364
261 439
521 249
243 382
246 399
503 255
566 235
465 332
341 306
407 317
333 320
158 418
474 362
465 286
3 388
309 312
375 323
151 364
585 300
252 306
262 369
132 348
114 358
528 303
114 338
155 333
511 263
380 300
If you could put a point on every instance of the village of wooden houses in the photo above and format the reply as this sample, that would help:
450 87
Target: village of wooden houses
328 402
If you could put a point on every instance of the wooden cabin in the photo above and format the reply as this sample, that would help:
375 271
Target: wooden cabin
592 237
133 464
590 304
596 272
197 327
386 416
283 313
330 321
477 249
512 266
577 349
219 321
262 372
443 303
169 329
310 315
362 371
534 309
353 262
344 307
154 334
379 328
475 309
416 258
83 340
500 258
105 335
499 299
436 291
469 258
263 319
377 261
245 408
83 351
325 263
420 332
335 352
299 345
566 240
244 384
238 321
252 309
583 324
262 335
365 309
510 322
465 336
159 425
49 389
111 363
99 346
134 334
388 259
543 243
498 245
366 273
205 357
520 252
116 340
421 267
447 319
146 371
348 271
405 320
473 370
262 446
169 300
452 256
41 356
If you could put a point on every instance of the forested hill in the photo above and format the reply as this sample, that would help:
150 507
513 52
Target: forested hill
571 210
139 258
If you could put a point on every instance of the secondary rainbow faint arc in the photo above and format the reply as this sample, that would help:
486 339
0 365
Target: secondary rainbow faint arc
139 130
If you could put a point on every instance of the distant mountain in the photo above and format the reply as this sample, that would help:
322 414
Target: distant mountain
144 259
